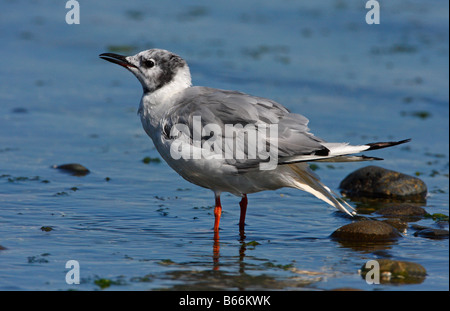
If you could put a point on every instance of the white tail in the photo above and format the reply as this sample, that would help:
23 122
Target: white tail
306 180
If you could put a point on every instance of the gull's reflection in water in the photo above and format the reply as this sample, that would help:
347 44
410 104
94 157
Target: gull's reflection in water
216 249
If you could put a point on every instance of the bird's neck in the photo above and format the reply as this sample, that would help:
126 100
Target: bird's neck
153 105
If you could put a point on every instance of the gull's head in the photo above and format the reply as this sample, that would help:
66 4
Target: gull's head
154 68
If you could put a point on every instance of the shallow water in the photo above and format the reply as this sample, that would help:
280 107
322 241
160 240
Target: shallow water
137 226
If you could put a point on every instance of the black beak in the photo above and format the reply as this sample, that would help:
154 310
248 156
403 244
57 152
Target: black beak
117 59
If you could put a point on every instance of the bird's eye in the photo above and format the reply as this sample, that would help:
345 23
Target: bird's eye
148 63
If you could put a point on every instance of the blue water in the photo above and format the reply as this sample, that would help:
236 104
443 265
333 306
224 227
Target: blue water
141 226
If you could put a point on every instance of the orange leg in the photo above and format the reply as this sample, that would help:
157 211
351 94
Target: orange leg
216 245
217 213
243 205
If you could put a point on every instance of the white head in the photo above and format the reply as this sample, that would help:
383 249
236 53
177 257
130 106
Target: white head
155 69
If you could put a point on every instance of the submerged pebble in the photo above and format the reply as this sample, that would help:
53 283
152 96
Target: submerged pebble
377 182
402 210
398 223
432 233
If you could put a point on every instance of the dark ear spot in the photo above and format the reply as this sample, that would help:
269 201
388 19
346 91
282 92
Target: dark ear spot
169 67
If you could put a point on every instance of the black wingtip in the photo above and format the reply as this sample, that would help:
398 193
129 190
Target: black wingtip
380 145
366 158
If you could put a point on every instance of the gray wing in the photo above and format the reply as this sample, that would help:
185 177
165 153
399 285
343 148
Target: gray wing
231 108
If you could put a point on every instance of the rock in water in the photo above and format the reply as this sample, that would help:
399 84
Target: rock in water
366 231
73 168
396 271
377 182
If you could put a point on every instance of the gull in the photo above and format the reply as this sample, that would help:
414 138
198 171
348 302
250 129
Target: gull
188 125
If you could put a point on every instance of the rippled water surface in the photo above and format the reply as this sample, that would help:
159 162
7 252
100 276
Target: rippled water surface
138 226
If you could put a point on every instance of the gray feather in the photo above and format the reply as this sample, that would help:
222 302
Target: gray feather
230 107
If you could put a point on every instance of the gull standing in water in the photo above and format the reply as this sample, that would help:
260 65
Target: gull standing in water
190 127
